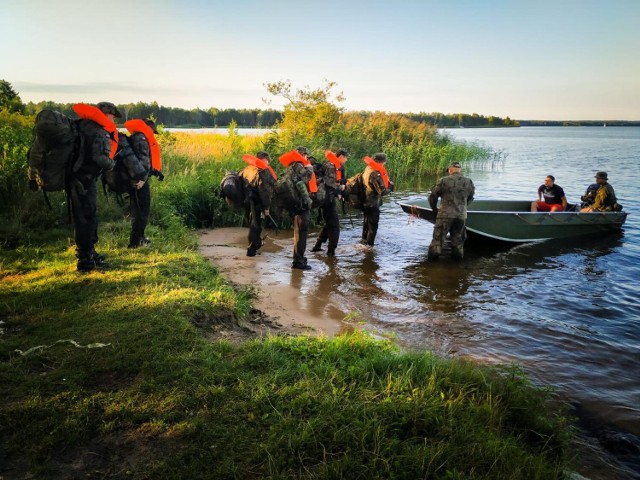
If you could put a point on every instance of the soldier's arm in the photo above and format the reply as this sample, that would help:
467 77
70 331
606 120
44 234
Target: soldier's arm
377 183
101 150
435 193
133 165
472 192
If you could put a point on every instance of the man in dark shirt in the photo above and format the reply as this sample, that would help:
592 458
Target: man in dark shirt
551 197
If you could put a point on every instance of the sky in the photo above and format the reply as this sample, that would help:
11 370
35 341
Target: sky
542 59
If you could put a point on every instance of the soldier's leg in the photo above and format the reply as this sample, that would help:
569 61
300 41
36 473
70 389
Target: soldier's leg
300 230
332 227
458 235
140 205
324 232
439 236
373 219
83 210
255 229
365 224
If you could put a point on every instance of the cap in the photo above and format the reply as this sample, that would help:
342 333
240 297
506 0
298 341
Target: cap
110 108
302 150
341 152
262 155
602 175
152 124
380 157
455 165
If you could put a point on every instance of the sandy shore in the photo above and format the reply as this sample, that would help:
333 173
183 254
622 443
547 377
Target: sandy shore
288 298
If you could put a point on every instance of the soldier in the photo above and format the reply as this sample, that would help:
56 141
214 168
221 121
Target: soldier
260 184
605 198
376 184
456 192
96 154
140 192
334 183
297 179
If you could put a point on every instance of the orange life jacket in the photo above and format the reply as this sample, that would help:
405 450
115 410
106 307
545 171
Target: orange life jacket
336 163
89 112
260 164
378 167
295 156
139 126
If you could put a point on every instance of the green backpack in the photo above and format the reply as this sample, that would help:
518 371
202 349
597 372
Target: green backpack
53 155
354 191
287 194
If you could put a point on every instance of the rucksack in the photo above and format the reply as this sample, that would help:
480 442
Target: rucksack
320 197
354 191
232 189
54 151
287 194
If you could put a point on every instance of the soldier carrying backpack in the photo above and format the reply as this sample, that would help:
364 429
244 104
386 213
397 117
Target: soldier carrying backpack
259 185
334 183
293 189
99 136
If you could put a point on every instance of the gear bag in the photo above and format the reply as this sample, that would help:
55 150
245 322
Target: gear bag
232 190
53 152
287 194
354 191
319 197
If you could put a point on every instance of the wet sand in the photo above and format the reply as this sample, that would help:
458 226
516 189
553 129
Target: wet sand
292 300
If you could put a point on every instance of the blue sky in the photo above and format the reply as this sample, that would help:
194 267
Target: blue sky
562 59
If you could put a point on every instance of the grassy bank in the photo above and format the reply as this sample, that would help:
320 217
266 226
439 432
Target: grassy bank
157 398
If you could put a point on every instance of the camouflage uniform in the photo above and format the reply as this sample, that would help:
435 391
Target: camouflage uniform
260 185
95 148
456 192
605 199
331 229
300 213
374 191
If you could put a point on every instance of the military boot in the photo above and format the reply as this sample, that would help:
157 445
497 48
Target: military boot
317 247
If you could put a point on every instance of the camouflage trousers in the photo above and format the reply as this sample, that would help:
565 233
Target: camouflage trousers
448 225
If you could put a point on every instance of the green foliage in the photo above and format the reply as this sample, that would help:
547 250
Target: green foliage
9 98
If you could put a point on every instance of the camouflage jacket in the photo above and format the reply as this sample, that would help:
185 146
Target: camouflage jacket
140 146
136 169
328 173
456 192
94 151
374 188
259 184
605 198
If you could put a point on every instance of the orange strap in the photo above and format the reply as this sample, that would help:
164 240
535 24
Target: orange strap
259 163
378 167
295 156
139 126
89 112
336 163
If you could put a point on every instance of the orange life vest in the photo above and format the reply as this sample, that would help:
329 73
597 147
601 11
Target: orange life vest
295 156
89 112
378 167
336 163
139 126
260 164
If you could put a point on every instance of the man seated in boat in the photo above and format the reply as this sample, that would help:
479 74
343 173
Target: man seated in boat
605 199
553 195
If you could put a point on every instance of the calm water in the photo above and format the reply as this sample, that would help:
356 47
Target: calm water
569 311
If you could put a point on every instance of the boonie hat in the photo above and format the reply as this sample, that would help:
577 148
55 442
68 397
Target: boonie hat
342 151
262 155
151 124
602 175
380 157
110 108
302 150
456 165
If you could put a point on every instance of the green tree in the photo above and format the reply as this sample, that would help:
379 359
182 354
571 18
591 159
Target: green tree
309 113
9 98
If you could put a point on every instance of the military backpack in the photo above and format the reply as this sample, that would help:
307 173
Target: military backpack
53 155
354 191
232 189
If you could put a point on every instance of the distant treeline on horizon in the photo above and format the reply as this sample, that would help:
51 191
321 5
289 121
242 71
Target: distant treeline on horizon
257 118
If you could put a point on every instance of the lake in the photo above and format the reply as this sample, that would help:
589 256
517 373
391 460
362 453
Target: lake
568 312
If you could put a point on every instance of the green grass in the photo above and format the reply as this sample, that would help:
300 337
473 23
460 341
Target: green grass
160 400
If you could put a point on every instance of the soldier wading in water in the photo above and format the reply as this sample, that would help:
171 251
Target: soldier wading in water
456 192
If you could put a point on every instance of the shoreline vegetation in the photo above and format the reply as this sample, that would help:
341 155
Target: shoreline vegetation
131 373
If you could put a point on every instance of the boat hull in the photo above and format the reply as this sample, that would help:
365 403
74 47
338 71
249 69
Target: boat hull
511 221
